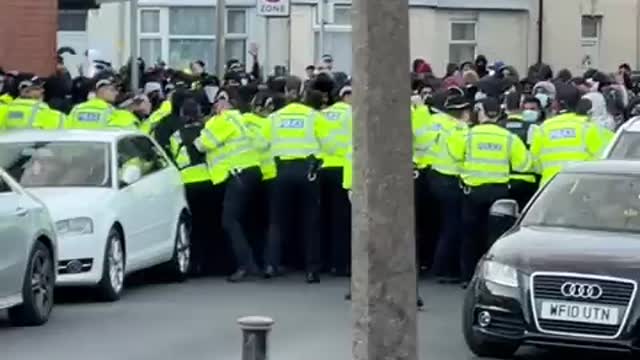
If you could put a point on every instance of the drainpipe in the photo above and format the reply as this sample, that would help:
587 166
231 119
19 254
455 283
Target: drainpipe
540 29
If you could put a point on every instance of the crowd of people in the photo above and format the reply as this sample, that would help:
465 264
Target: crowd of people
267 163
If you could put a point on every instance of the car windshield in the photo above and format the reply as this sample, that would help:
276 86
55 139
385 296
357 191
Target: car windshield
627 147
588 201
57 164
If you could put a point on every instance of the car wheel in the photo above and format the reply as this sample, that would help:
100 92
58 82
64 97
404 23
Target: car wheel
113 270
480 344
37 289
179 265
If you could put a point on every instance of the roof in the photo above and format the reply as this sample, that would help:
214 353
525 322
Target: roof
64 135
618 167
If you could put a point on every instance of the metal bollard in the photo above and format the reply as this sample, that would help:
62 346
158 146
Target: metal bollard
255 330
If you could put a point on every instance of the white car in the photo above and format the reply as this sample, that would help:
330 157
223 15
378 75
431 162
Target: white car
626 143
27 255
118 203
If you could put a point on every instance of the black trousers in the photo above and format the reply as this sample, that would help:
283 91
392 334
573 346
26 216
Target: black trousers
199 197
448 197
294 195
522 191
427 220
336 216
239 192
475 216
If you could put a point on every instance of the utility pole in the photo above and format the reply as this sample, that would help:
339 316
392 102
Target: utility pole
133 44
221 31
384 292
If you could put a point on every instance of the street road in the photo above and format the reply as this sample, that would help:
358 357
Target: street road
196 321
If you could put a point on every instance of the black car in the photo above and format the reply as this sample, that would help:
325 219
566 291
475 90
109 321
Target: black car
566 274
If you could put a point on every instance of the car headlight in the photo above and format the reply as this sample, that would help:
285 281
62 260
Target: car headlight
500 274
75 226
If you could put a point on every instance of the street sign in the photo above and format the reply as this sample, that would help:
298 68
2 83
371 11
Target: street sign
273 8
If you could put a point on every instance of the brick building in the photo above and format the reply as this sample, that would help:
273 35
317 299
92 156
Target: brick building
28 31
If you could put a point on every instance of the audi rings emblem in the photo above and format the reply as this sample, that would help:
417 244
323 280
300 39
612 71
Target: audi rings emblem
581 291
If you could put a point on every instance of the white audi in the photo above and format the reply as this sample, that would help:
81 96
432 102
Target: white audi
117 201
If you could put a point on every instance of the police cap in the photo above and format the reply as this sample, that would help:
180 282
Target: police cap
490 106
457 102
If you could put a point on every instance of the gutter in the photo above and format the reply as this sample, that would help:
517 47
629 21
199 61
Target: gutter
540 30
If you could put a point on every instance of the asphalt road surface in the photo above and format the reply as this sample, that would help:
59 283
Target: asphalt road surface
196 321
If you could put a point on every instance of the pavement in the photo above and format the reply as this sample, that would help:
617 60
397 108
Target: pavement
197 321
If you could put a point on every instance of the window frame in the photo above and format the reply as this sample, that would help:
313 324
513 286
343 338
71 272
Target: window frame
598 23
165 35
473 42
84 13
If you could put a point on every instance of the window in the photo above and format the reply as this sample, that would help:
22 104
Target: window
591 28
337 38
152 157
182 34
72 20
4 187
58 164
150 36
462 42
150 21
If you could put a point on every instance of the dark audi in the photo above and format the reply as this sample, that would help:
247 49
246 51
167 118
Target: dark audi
566 274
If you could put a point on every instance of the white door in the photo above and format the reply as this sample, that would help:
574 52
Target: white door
14 237
133 206
160 196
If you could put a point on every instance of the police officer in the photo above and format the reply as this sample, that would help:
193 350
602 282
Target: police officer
566 138
488 152
131 112
230 146
195 176
522 122
295 138
262 105
335 201
427 222
29 111
444 181
99 112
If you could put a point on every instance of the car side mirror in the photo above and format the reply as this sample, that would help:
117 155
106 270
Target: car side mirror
130 174
505 208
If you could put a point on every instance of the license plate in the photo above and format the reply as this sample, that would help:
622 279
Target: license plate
577 312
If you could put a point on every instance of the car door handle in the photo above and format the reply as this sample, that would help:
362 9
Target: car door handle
21 212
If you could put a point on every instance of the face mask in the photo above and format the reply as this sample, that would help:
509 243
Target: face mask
544 100
530 116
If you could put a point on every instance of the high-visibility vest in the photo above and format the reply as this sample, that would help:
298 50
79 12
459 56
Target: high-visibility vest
442 128
489 154
347 172
31 114
228 145
524 130
258 129
94 114
294 132
339 115
424 136
564 139
192 166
